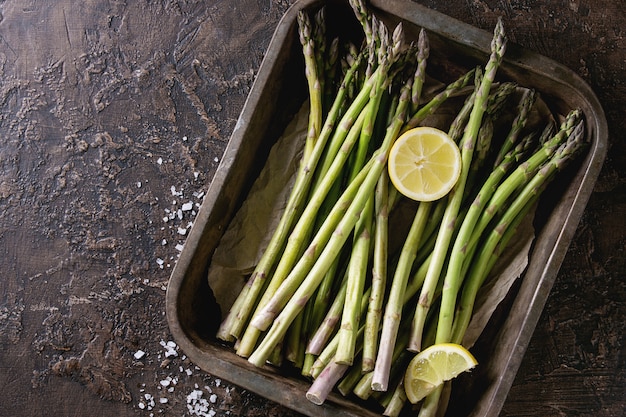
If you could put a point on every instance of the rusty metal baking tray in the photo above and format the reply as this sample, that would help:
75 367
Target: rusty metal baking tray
194 313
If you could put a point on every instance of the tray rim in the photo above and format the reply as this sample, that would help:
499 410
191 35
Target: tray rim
259 380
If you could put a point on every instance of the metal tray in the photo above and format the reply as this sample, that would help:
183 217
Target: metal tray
194 313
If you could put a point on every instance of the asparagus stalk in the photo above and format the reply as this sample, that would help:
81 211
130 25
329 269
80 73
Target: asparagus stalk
461 249
313 73
485 258
423 50
379 273
357 270
328 178
318 35
495 103
523 201
457 127
330 321
430 404
301 229
364 17
347 210
331 66
325 357
393 309
396 402
324 383
526 103
498 47
523 172
434 103
296 240
293 340
236 320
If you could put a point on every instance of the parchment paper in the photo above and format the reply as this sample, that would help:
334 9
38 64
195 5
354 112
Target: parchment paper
241 245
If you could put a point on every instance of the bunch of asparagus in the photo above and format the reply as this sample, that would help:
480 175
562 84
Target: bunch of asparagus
331 294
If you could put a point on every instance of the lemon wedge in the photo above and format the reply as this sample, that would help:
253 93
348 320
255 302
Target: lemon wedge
433 366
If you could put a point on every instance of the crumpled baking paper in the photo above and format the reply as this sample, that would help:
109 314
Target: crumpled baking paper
241 245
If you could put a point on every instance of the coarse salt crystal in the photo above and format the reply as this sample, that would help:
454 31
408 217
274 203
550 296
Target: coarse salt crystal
139 354
163 400
170 348
138 184
160 161
213 398
187 206
179 247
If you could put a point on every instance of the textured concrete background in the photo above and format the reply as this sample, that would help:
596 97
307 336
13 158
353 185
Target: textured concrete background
113 118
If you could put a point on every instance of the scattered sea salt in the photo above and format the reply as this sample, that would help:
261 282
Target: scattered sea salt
174 192
170 348
197 405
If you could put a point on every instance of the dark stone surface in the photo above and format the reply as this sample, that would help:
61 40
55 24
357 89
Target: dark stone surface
115 114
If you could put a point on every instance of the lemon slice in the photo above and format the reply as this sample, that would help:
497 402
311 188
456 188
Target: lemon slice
424 164
433 366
